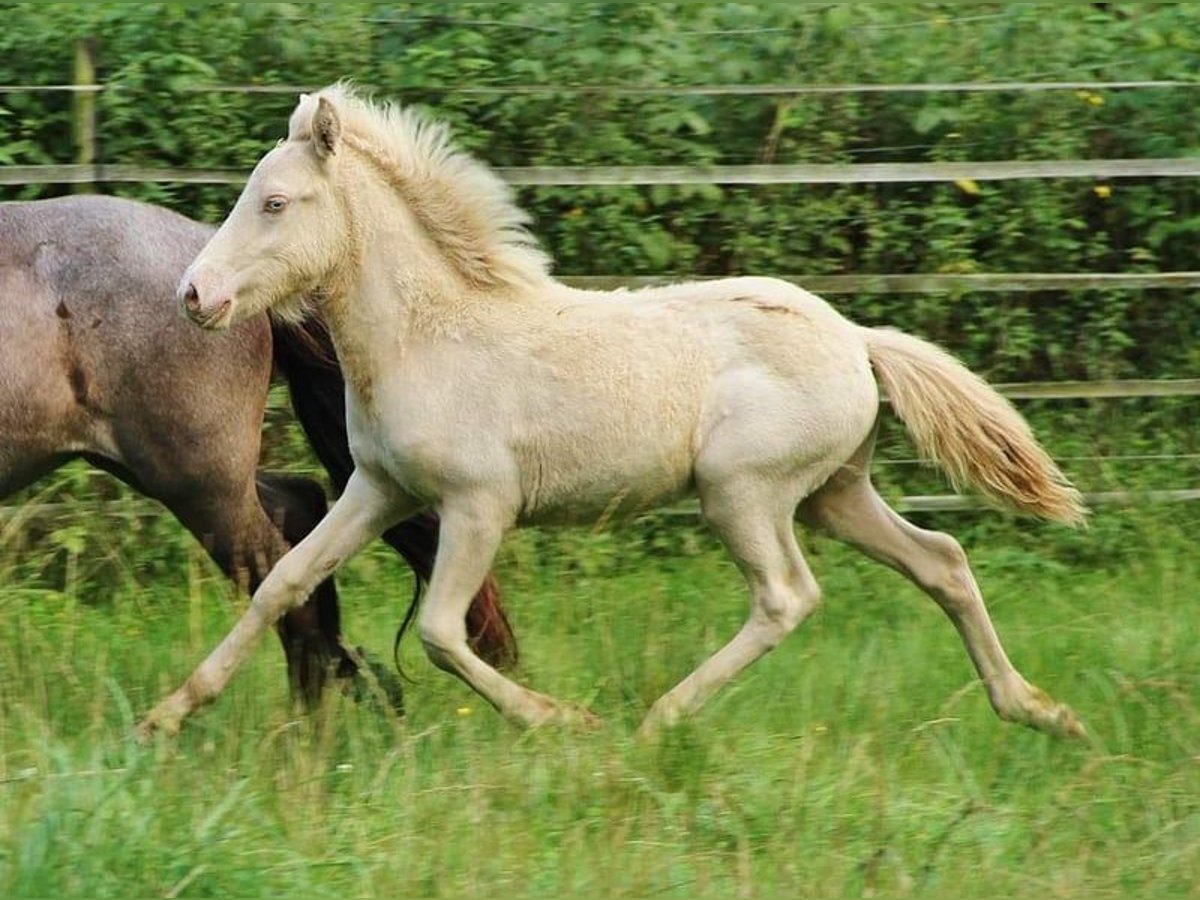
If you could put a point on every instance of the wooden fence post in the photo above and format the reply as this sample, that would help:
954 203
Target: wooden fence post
83 124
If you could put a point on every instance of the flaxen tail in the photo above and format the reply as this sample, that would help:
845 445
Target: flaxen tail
958 421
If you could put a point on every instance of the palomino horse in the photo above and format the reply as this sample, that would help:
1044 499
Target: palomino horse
96 362
483 388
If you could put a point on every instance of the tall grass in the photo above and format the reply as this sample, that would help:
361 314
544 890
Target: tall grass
859 759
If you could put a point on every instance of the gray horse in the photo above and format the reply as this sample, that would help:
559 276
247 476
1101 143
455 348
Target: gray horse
96 362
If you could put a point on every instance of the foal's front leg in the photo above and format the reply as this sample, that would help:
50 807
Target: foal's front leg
362 512
470 534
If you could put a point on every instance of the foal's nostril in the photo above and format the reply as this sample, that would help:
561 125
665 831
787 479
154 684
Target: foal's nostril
191 299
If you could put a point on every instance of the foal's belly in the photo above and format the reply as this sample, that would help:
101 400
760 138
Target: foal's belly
598 484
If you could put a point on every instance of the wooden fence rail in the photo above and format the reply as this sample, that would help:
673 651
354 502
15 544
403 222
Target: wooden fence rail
936 283
613 176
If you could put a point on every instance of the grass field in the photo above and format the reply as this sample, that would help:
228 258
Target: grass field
860 759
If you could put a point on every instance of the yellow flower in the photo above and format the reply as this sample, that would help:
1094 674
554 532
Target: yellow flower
968 186
464 710
1103 191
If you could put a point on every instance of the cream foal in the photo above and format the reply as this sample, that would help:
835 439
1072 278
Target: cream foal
480 386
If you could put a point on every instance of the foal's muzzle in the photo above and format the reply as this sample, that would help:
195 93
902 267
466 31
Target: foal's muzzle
204 315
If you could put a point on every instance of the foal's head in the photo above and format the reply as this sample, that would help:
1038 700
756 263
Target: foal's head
286 234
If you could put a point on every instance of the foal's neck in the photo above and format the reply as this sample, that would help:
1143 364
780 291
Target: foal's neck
391 286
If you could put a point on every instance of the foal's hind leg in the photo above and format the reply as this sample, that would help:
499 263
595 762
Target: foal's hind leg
754 520
849 508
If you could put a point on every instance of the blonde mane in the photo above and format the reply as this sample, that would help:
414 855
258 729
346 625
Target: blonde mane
464 207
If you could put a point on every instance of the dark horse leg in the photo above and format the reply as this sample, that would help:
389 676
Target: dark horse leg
310 634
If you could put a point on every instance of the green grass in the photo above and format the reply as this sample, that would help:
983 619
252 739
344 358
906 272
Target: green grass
859 759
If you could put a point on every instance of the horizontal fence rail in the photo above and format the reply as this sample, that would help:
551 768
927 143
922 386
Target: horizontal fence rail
1098 390
962 502
613 176
854 173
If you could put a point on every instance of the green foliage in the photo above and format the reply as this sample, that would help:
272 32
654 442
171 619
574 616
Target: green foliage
157 59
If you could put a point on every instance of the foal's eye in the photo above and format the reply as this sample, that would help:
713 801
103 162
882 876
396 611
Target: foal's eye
274 204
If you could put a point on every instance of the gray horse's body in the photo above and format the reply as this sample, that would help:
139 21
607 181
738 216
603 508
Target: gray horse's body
76 292
80 279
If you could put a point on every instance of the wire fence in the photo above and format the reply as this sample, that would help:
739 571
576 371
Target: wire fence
657 90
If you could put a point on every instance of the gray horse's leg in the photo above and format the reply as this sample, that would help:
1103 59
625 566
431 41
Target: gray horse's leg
849 509
246 529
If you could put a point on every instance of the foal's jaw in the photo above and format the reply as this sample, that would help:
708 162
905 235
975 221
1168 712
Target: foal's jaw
217 320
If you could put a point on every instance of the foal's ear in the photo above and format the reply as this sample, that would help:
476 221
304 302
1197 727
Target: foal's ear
326 129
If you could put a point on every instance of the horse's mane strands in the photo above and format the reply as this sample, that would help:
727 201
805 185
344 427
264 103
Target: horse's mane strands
467 210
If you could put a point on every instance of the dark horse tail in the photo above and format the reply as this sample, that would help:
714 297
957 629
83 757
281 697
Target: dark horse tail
305 357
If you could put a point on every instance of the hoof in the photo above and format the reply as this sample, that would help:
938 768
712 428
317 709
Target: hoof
1066 724
1043 713
667 712
374 684
580 717
554 713
154 724
166 719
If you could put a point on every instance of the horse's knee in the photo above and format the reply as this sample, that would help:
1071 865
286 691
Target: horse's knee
947 573
781 609
442 636
286 586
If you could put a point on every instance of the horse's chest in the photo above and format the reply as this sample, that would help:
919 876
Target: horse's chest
403 455
416 447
